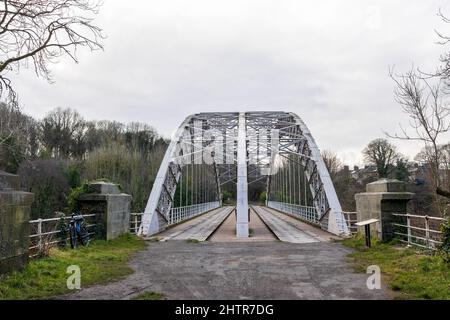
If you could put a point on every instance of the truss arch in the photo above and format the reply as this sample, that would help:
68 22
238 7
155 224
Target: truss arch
216 149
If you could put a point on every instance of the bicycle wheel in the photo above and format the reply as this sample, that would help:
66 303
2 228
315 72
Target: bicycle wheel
72 236
84 236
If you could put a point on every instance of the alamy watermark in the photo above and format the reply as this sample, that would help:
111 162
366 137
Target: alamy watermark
74 280
374 280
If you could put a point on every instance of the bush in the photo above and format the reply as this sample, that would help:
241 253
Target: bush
130 169
263 197
445 247
75 193
49 183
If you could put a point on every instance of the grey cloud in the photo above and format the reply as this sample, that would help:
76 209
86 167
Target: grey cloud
326 61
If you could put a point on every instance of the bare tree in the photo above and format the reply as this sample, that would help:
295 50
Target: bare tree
36 32
382 154
63 133
332 162
443 71
18 137
423 102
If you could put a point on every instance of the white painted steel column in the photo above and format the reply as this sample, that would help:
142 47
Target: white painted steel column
242 186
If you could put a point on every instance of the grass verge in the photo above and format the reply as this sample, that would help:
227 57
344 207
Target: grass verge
409 272
101 262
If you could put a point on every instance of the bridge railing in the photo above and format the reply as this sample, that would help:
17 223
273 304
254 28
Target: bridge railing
45 233
135 222
184 213
414 230
419 231
351 219
177 215
303 212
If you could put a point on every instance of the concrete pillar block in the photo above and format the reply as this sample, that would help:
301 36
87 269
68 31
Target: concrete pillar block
15 212
381 199
111 207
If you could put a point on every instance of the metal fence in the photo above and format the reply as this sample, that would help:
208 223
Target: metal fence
351 219
414 230
306 213
135 222
420 231
48 232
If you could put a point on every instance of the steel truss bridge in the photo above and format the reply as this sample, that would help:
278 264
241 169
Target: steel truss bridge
217 154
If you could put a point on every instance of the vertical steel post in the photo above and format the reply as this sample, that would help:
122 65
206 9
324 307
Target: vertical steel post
180 184
290 180
294 184
242 186
299 185
304 188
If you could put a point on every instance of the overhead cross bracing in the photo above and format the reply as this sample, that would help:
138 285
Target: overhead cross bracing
214 151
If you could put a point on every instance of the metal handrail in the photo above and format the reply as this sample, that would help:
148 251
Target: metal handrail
303 212
177 215
417 216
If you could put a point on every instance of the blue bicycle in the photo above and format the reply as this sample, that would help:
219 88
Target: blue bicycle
78 232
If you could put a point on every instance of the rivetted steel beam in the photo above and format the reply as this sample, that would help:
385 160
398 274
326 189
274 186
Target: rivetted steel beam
242 230
158 207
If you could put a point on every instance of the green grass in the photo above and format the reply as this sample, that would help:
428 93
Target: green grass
409 272
192 241
101 262
149 296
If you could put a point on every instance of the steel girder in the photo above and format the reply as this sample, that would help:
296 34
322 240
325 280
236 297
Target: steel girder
266 136
242 229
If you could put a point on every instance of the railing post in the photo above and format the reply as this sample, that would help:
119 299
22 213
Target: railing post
427 231
408 226
40 234
135 223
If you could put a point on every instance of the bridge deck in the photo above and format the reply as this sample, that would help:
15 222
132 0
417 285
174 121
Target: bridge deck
199 228
259 232
288 229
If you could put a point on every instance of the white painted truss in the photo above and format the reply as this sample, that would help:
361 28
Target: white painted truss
242 149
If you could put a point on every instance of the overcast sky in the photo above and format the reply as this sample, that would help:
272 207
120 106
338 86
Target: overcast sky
327 61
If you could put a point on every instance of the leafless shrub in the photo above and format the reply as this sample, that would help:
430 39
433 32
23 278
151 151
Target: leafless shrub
424 102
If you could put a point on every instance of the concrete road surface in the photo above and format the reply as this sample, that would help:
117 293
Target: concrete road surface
239 270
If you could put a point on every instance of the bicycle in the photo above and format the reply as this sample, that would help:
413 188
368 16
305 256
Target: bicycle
78 232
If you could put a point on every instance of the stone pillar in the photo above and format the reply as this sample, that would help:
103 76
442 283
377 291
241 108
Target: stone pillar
381 199
111 207
15 212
